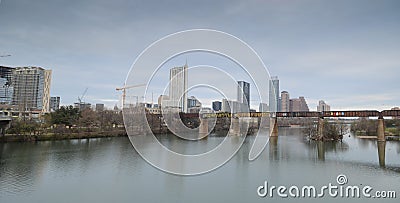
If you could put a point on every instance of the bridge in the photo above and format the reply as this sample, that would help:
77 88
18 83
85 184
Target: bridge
309 114
273 125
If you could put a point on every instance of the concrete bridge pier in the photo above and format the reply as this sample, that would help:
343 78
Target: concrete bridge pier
203 128
320 132
381 130
235 127
381 153
273 126
381 141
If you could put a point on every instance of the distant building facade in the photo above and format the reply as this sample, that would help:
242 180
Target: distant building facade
263 107
194 105
161 100
99 107
322 106
233 106
54 103
193 102
285 101
82 105
298 104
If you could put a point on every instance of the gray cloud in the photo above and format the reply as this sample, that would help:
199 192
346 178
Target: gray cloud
345 52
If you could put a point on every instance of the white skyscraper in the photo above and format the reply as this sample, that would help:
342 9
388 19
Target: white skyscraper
31 88
274 94
243 93
178 77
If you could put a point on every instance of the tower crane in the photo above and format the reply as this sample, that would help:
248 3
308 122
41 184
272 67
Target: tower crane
124 90
80 99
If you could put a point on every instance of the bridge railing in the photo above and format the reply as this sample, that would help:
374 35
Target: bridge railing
310 114
394 113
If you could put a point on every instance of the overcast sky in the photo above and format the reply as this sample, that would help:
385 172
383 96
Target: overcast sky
344 52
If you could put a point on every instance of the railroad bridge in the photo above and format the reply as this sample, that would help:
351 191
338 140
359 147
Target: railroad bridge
309 114
273 123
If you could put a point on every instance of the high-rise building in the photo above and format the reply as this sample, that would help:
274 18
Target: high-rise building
231 106
263 107
303 104
243 93
294 105
298 104
161 99
178 78
99 107
82 105
31 88
194 105
217 105
322 106
6 88
54 103
285 101
274 94
193 102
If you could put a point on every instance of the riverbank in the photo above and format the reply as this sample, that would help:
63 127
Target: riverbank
64 136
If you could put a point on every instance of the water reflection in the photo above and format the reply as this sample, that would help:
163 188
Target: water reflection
321 150
52 171
23 165
273 148
381 153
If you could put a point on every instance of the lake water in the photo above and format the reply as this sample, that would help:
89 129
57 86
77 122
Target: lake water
110 170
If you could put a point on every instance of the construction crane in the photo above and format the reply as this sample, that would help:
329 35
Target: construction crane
80 99
7 55
124 90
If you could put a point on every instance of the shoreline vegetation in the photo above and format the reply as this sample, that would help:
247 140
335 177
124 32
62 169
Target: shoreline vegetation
70 123
66 123
365 128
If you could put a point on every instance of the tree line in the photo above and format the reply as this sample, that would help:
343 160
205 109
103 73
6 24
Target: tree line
68 119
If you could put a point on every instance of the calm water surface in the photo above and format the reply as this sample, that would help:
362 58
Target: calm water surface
109 170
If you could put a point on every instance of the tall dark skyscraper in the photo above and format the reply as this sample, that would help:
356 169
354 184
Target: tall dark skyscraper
243 93
217 106
6 88
274 94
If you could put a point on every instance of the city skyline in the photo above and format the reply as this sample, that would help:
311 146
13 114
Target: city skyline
347 57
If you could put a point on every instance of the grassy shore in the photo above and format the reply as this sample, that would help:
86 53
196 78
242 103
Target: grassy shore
61 136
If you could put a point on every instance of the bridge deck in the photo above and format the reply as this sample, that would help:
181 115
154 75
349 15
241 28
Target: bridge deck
309 114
